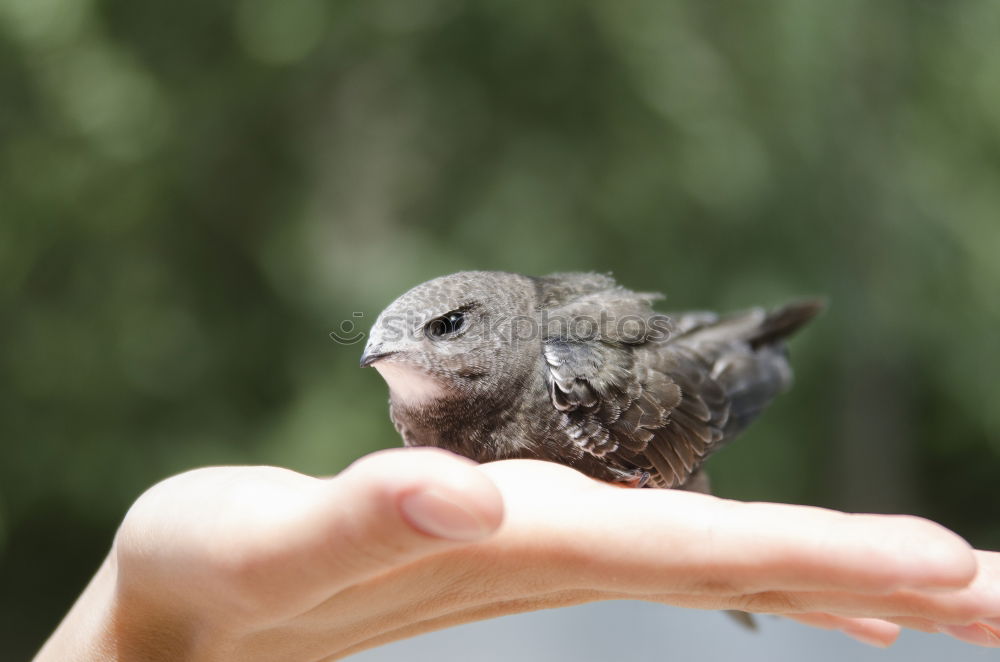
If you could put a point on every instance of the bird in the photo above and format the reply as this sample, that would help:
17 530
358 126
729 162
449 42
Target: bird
576 369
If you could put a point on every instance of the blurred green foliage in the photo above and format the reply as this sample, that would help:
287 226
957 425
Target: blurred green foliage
193 194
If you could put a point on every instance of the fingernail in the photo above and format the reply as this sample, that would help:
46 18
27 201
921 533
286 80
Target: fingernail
977 633
866 638
438 515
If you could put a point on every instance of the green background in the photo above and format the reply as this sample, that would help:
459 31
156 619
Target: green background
194 194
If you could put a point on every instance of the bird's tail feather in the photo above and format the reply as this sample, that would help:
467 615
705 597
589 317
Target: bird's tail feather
751 380
748 357
783 322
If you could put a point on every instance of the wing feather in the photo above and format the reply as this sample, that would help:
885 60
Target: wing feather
635 400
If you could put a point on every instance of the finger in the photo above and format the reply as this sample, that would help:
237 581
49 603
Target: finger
872 631
670 541
387 509
980 601
981 634
976 633
762 545
394 507
914 623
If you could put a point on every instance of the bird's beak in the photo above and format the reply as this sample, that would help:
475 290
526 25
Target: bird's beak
373 354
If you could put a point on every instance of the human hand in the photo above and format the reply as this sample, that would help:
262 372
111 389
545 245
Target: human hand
260 563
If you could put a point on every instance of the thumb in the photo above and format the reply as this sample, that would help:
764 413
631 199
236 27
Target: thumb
395 506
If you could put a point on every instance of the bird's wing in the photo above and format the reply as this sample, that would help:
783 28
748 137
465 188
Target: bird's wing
582 293
587 306
655 407
562 289
623 390
696 424
605 404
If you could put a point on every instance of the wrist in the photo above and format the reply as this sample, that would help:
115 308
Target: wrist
107 625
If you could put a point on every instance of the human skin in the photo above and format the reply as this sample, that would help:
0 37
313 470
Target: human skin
262 563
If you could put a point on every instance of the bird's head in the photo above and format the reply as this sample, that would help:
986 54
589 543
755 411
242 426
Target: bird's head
464 334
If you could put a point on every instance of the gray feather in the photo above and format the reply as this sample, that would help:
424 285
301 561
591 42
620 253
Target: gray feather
612 399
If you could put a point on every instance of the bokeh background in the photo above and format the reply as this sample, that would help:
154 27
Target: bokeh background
194 194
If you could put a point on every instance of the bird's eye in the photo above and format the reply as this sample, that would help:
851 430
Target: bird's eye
446 324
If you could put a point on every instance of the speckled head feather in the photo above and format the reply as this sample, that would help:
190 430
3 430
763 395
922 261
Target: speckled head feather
466 359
